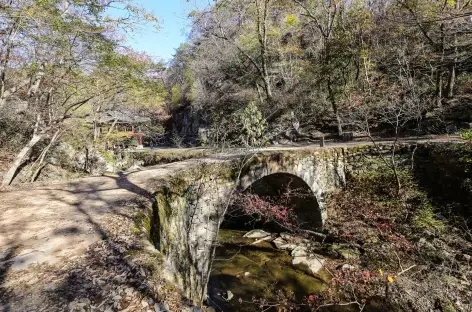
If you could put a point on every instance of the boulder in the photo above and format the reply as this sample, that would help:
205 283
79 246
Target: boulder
256 234
347 266
94 161
311 264
282 244
300 251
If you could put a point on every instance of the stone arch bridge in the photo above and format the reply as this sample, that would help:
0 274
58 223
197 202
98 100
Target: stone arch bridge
190 207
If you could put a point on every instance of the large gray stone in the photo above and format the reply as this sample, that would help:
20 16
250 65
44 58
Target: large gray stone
311 264
347 266
282 244
256 234
301 251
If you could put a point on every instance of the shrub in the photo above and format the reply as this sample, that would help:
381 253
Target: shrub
253 125
246 127
466 135
121 139
425 218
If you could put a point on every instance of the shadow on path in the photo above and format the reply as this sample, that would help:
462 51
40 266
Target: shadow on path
105 260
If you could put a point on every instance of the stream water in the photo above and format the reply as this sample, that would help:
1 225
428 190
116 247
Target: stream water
256 272
251 272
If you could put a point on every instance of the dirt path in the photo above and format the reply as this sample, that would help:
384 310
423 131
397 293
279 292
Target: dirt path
72 246
45 224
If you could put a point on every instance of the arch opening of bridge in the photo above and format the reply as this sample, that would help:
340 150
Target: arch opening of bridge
282 188
268 196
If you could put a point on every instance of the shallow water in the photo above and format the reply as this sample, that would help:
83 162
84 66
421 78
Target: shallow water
256 272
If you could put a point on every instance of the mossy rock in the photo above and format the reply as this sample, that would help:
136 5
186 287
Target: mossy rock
345 252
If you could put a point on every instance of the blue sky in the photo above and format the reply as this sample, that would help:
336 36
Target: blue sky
175 26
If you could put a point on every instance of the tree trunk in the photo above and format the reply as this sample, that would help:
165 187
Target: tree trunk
335 108
262 36
40 161
5 52
20 158
95 131
110 130
86 159
451 81
338 120
96 127
439 78
452 74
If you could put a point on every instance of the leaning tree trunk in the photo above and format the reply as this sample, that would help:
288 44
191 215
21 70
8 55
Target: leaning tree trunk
40 161
20 158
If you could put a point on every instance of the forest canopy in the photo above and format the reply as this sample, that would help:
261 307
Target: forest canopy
251 73
326 66
62 64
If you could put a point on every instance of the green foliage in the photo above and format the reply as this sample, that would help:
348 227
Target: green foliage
79 136
425 218
466 135
292 20
14 132
381 182
176 94
121 139
253 125
164 156
331 62
245 127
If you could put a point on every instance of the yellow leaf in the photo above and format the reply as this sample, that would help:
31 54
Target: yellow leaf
291 20
381 272
391 278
